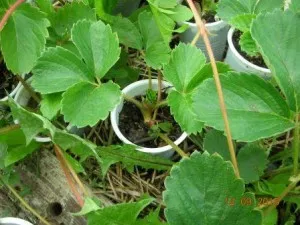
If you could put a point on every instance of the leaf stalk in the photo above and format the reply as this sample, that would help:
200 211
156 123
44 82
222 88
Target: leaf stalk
174 146
9 12
67 172
296 145
147 114
204 34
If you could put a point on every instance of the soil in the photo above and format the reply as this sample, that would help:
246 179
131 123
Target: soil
209 17
131 124
8 81
258 61
32 104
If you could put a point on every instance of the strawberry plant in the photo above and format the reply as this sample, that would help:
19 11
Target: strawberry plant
240 14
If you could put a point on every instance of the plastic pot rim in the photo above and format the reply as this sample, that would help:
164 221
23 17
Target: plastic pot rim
14 221
240 57
113 119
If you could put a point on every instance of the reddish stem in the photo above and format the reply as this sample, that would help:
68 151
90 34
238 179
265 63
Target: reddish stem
204 34
9 12
68 175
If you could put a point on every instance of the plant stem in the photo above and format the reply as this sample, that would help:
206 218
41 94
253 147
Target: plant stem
110 136
29 89
9 12
296 145
195 39
295 180
206 40
160 104
23 202
9 128
149 77
159 89
64 167
174 146
279 170
134 101
146 114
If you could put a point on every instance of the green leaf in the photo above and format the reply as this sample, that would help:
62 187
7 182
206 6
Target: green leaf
3 154
125 213
157 55
31 124
45 6
233 10
130 157
89 206
81 102
75 144
293 199
97 44
295 6
50 105
215 141
280 50
57 70
105 8
248 45
270 217
184 72
13 137
242 22
63 20
128 33
185 64
206 72
23 38
77 167
151 219
181 106
123 76
149 30
229 9
197 193
252 161
164 23
17 153
181 13
255 108
121 73
163 3
275 185
157 51
268 6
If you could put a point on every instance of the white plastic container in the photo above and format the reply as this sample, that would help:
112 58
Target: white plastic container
136 89
217 36
239 63
13 221
22 97
13 93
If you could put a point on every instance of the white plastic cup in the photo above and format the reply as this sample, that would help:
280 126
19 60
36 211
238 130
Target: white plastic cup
13 221
136 89
218 34
239 63
22 97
